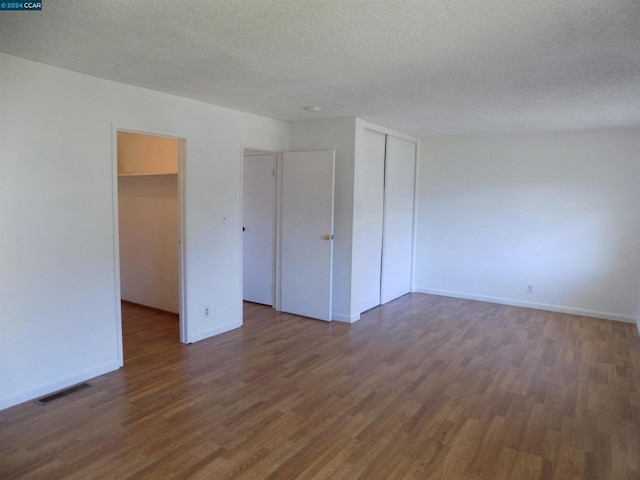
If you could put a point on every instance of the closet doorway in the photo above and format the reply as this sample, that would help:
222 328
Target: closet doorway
149 220
258 226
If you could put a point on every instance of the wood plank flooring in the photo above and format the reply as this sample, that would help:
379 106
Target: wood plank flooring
425 387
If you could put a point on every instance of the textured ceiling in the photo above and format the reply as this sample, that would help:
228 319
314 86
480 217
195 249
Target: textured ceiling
418 66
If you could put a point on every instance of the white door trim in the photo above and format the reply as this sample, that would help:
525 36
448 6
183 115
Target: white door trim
397 270
272 221
387 131
118 127
276 225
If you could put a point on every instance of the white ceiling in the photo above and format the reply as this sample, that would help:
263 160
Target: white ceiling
418 66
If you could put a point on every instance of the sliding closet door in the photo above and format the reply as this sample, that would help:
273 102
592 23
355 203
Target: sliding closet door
397 245
371 204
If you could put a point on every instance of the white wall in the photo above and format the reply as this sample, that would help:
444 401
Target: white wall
558 211
144 154
58 297
149 234
338 135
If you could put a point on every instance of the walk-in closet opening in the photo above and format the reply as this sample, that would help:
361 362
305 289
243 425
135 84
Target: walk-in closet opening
149 240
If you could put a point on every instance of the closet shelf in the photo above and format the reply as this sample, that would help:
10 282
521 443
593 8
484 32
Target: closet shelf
146 174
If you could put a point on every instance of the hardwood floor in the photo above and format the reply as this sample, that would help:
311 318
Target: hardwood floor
425 387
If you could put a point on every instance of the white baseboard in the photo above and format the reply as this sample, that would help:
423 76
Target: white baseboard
338 317
520 303
214 331
14 399
65 382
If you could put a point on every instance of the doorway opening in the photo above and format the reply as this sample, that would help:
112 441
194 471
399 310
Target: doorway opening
148 210
287 237
259 187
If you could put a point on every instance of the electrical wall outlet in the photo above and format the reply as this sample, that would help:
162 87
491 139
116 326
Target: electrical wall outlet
529 288
206 312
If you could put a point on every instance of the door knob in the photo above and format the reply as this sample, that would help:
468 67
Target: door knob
327 236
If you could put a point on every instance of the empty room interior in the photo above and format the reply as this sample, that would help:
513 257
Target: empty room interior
279 239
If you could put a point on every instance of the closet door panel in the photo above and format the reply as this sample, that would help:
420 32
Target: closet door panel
371 206
397 244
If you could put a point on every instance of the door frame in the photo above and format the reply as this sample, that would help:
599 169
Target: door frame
385 218
182 291
416 183
275 294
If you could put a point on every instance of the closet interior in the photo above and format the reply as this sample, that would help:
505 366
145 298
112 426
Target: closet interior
149 219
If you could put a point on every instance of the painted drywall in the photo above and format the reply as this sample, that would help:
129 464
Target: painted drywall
338 135
143 154
58 296
149 235
557 211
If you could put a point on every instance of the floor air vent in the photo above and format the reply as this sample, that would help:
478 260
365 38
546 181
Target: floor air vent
61 393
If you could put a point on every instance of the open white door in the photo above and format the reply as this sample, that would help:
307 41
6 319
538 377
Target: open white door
258 220
307 233
397 237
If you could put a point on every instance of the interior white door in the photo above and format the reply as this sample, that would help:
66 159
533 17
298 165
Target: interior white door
307 233
258 220
370 230
397 236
